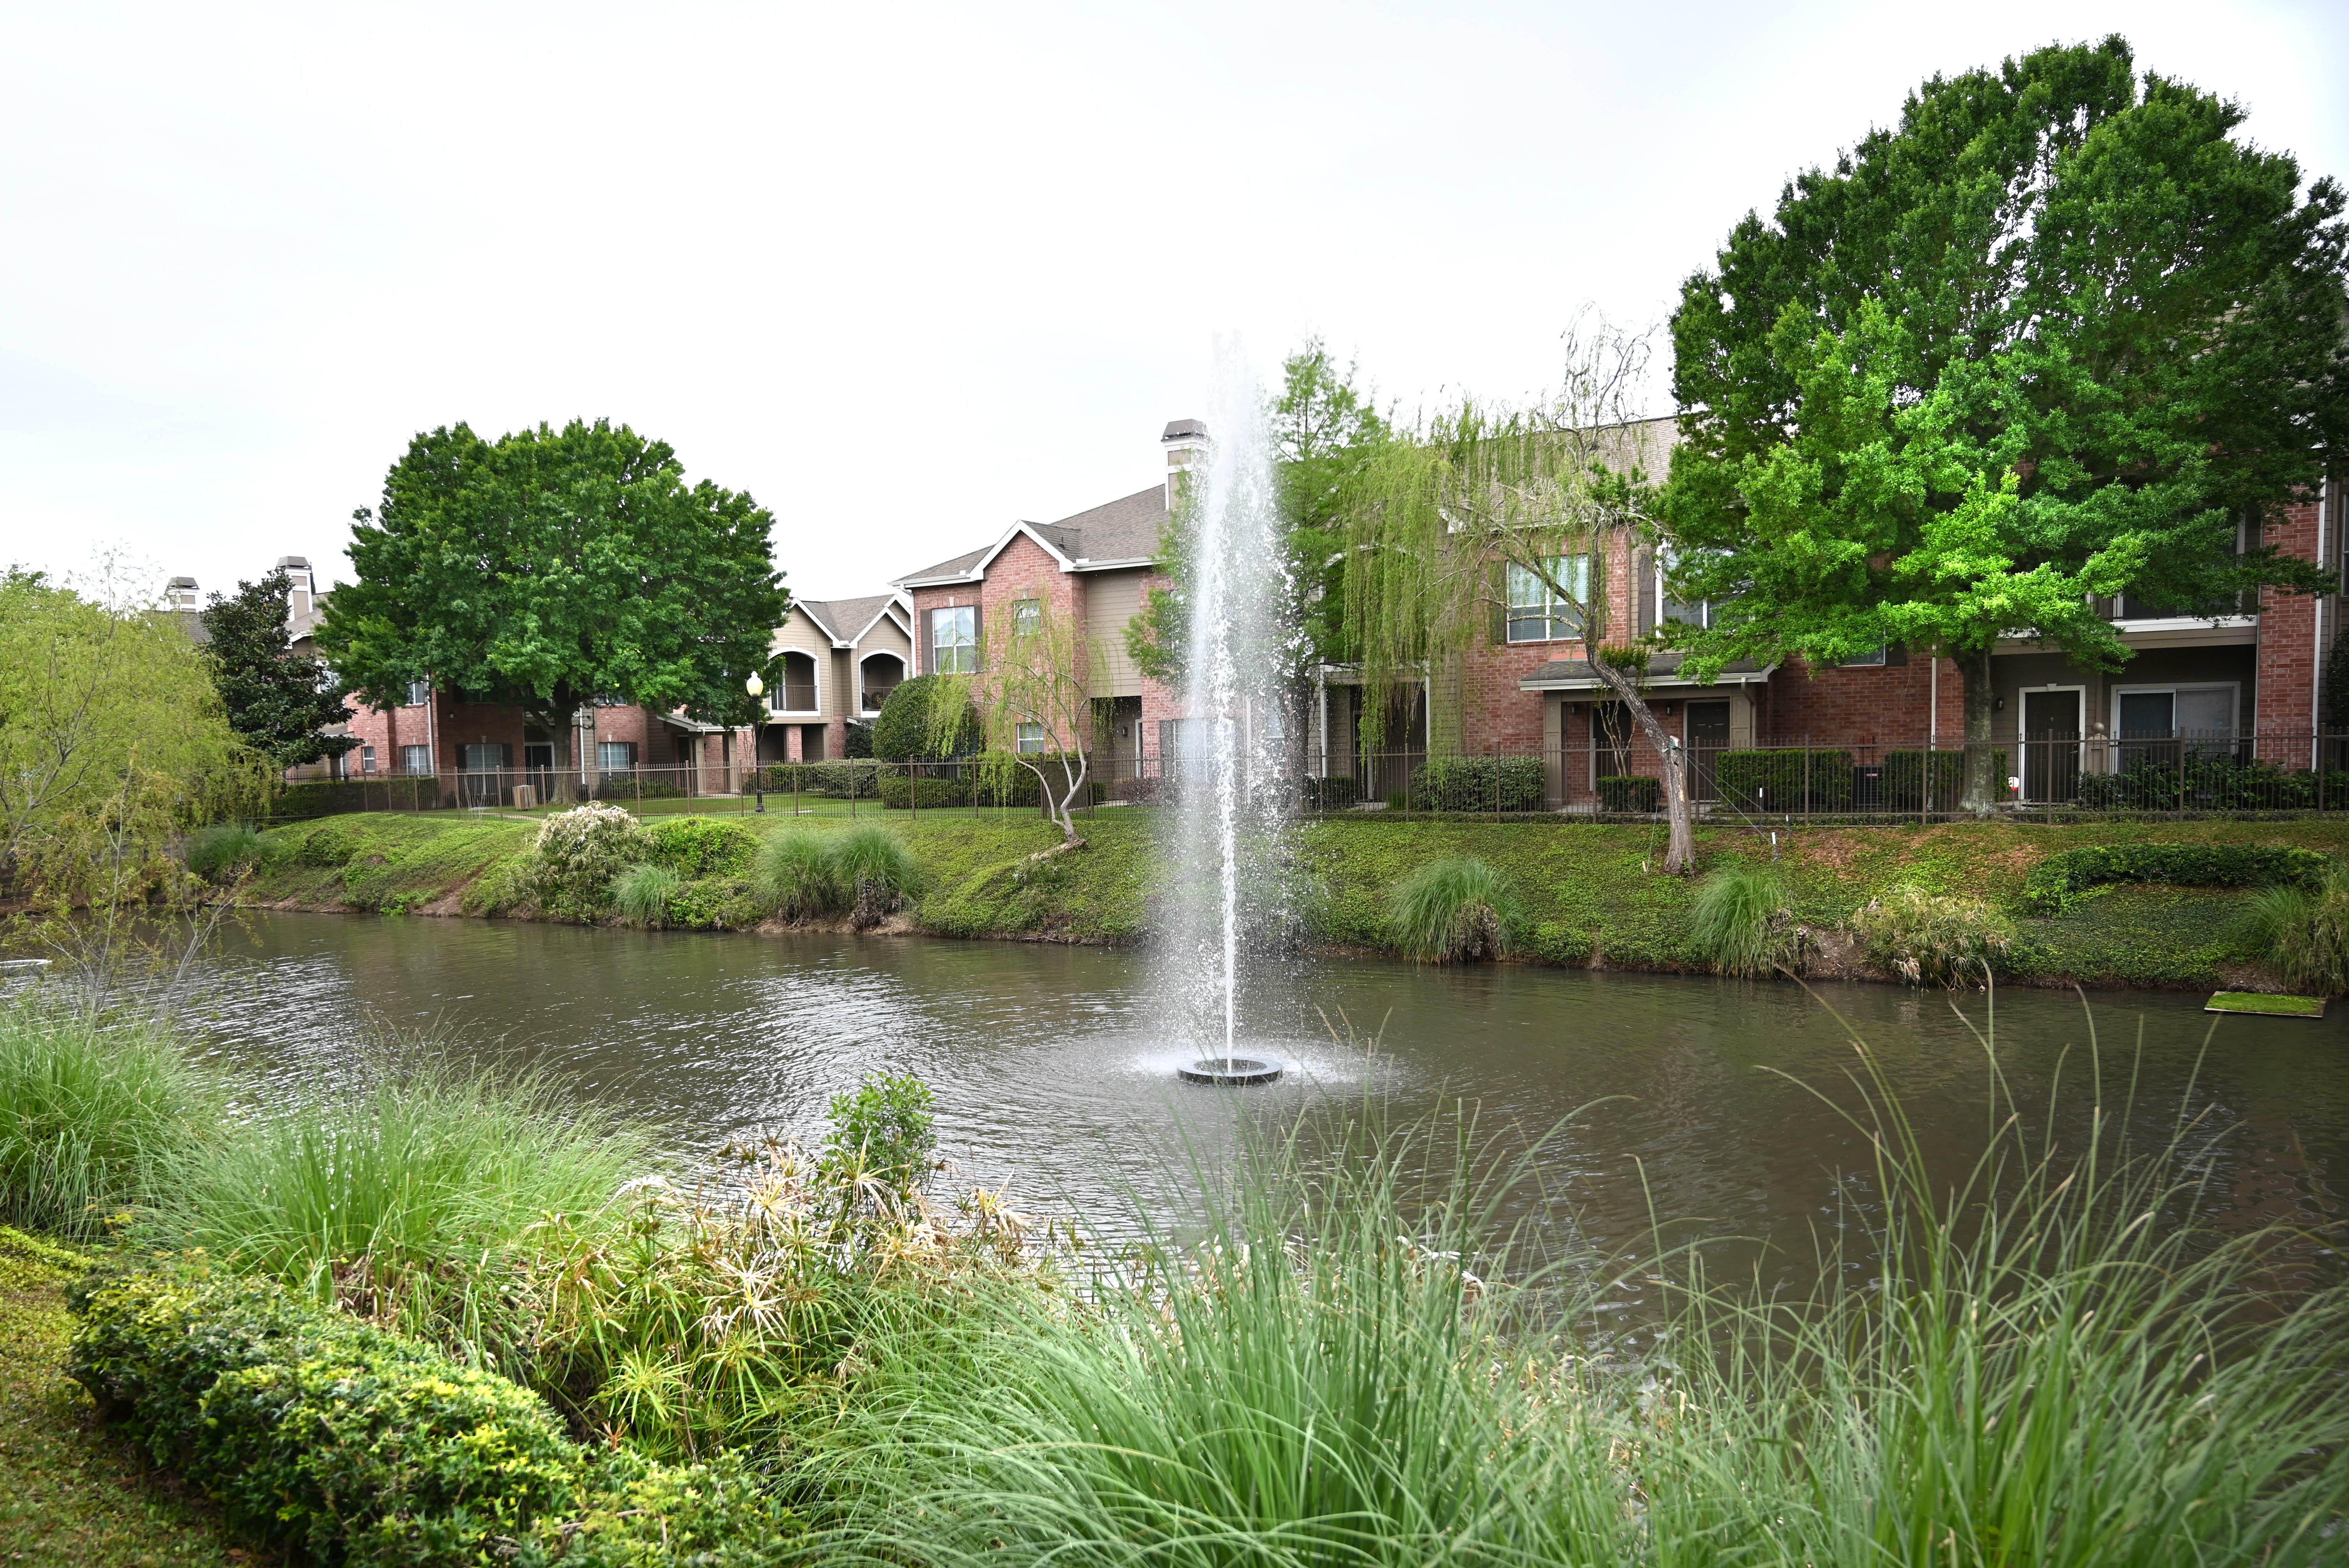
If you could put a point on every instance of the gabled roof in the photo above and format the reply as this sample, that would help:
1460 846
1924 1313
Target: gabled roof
1118 533
845 620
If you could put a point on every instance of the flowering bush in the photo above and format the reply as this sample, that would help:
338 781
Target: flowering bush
579 852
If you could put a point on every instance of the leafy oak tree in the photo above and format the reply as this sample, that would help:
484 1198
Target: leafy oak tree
278 700
551 565
2056 336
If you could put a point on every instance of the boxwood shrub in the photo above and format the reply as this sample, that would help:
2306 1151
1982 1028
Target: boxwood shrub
1630 794
1786 779
2061 879
343 1443
1334 793
699 846
1905 772
899 792
1481 784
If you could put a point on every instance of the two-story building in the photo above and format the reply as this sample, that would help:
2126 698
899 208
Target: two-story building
838 660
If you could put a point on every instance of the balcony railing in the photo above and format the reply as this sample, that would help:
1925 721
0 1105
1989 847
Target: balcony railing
871 701
790 699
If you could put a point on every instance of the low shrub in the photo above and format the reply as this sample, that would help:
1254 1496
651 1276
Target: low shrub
631 787
2210 783
699 846
884 1130
834 780
225 850
1630 794
1741 925
1485 784
900 791
1930 939
907 729
344 1443
1792 778
642 894
1333 793
578 853
2302 935
2058 880
87 1111
327 846
1454 910
1905 774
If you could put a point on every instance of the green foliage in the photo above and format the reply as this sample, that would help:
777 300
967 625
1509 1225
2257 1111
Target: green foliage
884 1131
87 1110
281 702
912 725
108 722
2205 781
332 796
549 566
873 868
1905 772
642 894
224 851
329 845
578 853
1630 794
1480 784
1932 939
901 792
1335 793
841 781
699 846
1454 910
410 1195
2303 933
2060 878
796 875
634 1514
1740 922
1791 779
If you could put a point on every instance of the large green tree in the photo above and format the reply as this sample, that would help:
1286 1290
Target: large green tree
2058 336
549 566
278 700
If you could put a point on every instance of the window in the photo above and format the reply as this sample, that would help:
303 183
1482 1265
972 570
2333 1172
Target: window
1697 612
419 694
1865 661
1538 616
366 759
610 699
954 640
1031 739
416 761
795 692
2204 712
616 756
1026 617
486 758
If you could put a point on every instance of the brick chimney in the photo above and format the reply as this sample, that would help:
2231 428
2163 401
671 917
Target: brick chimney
300 610
180 593
1185 443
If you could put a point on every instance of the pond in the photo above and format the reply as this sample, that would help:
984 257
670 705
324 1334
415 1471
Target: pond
1707 1102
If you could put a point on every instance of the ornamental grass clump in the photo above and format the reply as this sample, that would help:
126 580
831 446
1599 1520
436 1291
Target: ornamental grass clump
864 872
2302 935
1932 939
90 1109
641 894
795 875
1455 911
1741 926
224 851
577 854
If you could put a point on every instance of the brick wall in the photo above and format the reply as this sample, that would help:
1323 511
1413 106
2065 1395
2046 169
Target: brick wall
2289 658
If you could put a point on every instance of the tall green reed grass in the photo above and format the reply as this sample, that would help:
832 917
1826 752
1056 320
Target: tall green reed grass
1452 910
1741 925
90 1106
2302 935
864 871
641 894
2059 1355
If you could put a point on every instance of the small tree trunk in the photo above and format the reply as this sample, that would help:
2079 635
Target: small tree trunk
1983 784
1680 850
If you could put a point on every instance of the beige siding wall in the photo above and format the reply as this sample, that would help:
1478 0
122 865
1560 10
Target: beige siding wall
885 637
799 635
1113 599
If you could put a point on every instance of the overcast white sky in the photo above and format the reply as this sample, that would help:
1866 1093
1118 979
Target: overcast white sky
904 273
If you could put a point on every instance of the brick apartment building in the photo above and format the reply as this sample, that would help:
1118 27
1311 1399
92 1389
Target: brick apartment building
839 661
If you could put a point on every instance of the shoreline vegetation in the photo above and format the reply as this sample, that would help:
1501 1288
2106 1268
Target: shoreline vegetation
1574 894
529 1337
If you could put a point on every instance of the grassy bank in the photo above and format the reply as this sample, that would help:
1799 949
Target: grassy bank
1587 892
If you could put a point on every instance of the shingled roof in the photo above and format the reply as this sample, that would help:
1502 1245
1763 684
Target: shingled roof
1122 533
844 620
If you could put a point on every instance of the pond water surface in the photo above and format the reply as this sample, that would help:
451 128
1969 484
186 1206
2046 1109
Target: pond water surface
1706 1102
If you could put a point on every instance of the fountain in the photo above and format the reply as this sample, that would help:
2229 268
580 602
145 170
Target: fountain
1229 774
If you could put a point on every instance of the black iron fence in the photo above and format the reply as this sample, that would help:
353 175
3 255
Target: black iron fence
2046 775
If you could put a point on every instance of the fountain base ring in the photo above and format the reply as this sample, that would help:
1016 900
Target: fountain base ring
1229 1070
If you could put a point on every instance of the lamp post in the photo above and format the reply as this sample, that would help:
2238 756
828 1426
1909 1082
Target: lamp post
755 687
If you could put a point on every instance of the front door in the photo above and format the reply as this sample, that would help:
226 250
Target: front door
2051 745
1708 737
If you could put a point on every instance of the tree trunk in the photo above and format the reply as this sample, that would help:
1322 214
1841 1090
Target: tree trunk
1983 787
1680 850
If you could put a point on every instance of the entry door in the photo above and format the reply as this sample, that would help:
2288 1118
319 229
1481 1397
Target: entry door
1708 737
2051 745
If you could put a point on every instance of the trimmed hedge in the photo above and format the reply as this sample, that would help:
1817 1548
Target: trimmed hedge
1332 794
2211 783
840 780
1487 784
1787 779
346 1444
2061 879
1905 772
1630 794
700 846
899 791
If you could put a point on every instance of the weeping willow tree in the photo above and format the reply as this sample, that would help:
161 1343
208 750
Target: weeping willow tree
1034 704
1445 522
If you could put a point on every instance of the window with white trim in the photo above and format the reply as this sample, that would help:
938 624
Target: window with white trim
2203 713
1031 740
416 761
616 756
1539 612
1026 617
954 640
419 694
